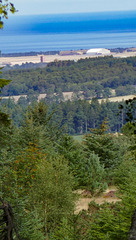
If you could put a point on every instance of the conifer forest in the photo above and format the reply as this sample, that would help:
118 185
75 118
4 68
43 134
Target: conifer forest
68 166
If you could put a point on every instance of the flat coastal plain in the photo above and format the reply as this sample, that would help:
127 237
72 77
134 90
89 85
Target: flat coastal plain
37 59
51 58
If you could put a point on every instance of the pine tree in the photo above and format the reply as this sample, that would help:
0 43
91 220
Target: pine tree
104 145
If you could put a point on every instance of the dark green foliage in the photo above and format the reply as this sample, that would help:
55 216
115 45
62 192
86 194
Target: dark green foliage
132 233
74 155
40 167
124 173
129 107
109 224
5 123
105 147
68 229
28 180
92 174
77 117
130 110
94 75
113 221
3 82
129 129
36 178
87 171
38 127
4 119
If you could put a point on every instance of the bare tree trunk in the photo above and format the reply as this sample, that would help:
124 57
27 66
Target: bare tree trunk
132 233
7 222
86 126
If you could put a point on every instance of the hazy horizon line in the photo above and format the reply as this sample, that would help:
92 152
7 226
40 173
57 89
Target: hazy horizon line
69 13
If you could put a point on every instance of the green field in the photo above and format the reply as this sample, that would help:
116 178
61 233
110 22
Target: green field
78 138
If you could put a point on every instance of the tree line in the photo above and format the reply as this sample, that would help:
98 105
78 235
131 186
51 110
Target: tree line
41 167
76 116
96 77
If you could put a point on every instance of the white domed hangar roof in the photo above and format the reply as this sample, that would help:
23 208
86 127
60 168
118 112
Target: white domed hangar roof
98 51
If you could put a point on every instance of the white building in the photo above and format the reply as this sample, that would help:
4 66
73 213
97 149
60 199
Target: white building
98 51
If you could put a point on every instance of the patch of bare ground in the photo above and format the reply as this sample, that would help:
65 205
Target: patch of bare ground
116 99
85 198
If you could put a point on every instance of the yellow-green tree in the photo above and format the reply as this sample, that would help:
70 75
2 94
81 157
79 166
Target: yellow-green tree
52 193
5 7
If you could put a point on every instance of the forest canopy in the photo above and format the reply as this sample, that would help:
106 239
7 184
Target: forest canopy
42 168
96 77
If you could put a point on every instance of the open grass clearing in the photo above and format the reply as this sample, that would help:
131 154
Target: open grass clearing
109 195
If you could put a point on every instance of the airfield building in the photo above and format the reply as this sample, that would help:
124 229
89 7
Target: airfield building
98 51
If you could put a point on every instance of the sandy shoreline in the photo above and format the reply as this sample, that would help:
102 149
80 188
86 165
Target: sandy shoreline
52 58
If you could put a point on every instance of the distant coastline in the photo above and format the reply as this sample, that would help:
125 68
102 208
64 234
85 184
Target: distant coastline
33 53
43 58
65 52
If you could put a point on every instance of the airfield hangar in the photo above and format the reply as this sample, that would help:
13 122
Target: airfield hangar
98 51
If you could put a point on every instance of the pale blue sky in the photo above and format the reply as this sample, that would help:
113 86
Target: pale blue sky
27 7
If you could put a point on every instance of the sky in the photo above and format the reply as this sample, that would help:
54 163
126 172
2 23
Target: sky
30 7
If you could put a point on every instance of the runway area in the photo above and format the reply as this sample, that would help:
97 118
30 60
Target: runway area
51 58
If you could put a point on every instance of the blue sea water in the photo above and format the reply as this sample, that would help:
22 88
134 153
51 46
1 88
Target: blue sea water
68 32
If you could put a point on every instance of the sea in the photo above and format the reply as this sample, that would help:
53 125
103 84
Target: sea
55 32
